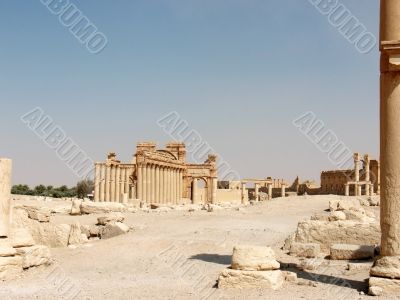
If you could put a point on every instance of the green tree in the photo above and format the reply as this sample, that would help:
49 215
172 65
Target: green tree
84 187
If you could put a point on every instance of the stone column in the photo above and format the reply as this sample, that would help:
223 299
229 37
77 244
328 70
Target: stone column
102 182
283 190
112 183
367 189
347 189
5 197
359 190
153 183
173 186
256 191
244 191
356 157
128 173
140 182
194 191
108 185
157 198
165 186
270 191
180 186
366 167
117 184
214 187
388 264
97 179
122 183
144 184
371 189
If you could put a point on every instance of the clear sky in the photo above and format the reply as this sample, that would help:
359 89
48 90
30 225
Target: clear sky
239 71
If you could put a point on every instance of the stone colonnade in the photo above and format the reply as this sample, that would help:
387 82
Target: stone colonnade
5 196
160 183
113 182
369 186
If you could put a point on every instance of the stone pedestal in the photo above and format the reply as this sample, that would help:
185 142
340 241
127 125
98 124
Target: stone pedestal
5 196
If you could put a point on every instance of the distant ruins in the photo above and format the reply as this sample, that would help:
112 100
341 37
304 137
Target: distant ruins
356 182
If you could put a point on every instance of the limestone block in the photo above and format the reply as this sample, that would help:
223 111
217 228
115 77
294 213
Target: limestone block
34 256
21 237
375 291
75 235
116 217
387 266
113 229
41 214
344 204
251 279
85 229
53 236
254 258
10 267
374 201
308 250
6 249
340 232
337 216
360 216
384 286
290 276
102 207
76 207
94 230
320 217
351 252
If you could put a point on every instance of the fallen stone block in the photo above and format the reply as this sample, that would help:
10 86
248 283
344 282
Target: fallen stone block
113 229
10 267
53 236
290 276
102 207
75 235
76 207
344 204
21 237
110 219
308 250
351 252
387 266
94 230
384 286
34 256
251 279
6 249
359 266
254 258
339 232
337 216
41 214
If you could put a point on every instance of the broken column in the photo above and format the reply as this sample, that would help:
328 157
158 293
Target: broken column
269 191
386 270
5 196
346 189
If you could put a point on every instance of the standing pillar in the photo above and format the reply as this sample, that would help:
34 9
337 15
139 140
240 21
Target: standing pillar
359 190
128 173
194 191
112 182
165 186
97 179
388 264
256 191
153 183
173 186
367 167
367 189
5 197
214 187
244 191
122 183
102 182
371 189
144 184
140 182
283 190
148 184
356 157
269 191
157 197
108 185
117 184
347 189
180 186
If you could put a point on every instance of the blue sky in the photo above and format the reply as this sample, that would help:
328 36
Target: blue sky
239 71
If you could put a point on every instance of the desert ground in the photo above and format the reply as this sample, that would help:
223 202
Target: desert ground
179 255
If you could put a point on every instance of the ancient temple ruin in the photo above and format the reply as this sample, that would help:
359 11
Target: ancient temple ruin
156 176
357 181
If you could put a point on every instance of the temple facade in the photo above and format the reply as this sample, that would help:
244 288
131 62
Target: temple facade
156 176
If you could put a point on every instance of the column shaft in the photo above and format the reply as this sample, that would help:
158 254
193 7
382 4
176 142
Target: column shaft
157 182
108 185
97 179
5 197
102 183
117 184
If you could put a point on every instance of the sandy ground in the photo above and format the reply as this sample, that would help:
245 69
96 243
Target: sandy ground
178 255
